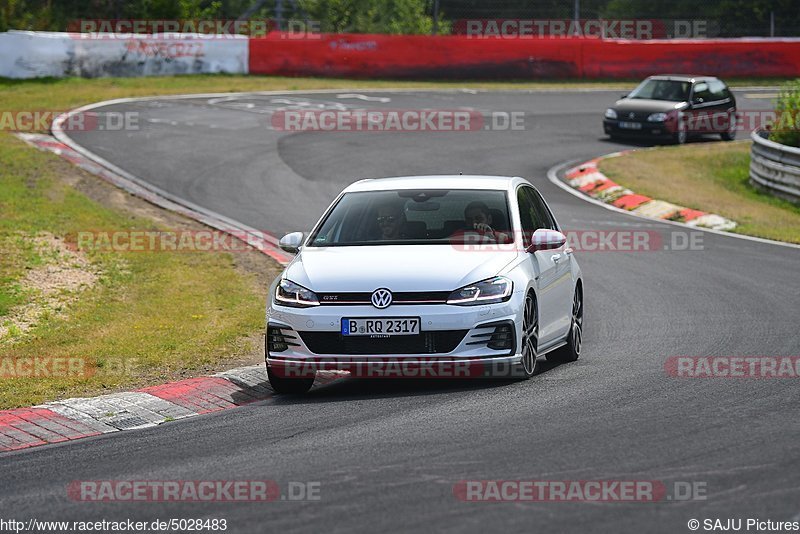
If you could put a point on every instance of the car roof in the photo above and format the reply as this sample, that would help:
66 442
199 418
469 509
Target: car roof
682 77
445 181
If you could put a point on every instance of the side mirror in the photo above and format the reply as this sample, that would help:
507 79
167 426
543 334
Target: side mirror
544 239
291 242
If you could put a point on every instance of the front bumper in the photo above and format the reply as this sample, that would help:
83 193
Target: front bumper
455 341
652 130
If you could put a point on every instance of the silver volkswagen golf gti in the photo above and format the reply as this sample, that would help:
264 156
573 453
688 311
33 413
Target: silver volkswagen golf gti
426 276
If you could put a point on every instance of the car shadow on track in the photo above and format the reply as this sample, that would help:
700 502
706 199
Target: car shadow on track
353 388
649 143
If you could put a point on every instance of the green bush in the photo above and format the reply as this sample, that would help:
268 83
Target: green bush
786 129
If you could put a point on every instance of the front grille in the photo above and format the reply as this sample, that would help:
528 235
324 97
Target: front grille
408 297
638 116
435 342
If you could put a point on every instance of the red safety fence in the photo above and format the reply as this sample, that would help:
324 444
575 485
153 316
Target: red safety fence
462 57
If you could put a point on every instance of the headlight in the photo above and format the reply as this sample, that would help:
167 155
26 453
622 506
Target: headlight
290 294
657 117
611 114
489 291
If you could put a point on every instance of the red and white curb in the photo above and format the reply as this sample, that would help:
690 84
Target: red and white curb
588 179
78 418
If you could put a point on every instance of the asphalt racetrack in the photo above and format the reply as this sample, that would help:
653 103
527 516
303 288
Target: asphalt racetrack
388 453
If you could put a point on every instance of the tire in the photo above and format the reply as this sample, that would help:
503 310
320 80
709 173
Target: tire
680 137
530 338
289 386
572 350
729 135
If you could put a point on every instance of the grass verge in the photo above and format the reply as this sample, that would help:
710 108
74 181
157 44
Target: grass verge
96 322
713 177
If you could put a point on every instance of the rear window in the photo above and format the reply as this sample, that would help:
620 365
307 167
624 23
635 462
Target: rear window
432 216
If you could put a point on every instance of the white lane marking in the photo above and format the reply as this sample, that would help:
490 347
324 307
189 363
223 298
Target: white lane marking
366 98
552 175
761 96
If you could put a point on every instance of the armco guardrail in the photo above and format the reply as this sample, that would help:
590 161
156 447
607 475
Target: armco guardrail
775 167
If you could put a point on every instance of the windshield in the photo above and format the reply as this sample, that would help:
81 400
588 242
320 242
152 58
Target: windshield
671 90
437 216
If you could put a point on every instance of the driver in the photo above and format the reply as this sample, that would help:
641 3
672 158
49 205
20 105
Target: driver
478 219
391 221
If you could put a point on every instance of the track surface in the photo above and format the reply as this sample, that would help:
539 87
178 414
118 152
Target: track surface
388 453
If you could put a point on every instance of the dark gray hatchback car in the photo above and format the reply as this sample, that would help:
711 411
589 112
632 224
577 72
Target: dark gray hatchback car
672 107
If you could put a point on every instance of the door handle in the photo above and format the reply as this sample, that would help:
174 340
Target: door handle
555 258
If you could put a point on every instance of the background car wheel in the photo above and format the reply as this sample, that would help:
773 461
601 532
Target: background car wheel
282 384
530 338
572 350
680 136
730 135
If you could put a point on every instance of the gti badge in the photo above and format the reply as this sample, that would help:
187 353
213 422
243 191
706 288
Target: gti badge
381 298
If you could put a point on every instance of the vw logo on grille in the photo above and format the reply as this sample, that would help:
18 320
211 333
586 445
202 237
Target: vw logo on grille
631 115
381 298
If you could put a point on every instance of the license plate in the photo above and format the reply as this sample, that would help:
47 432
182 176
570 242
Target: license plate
630 125
385 326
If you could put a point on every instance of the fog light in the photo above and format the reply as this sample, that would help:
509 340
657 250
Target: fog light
280 339
502 338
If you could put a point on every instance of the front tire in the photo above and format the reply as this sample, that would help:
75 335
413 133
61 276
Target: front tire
290 386
530 338
680 137
730 134
572 350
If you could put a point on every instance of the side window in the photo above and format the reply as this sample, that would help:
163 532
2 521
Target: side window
701 90
527 215
542 213
718 90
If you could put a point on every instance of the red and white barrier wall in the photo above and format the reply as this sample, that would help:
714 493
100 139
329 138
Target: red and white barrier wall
34 54
411 56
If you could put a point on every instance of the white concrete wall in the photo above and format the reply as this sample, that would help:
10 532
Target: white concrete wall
37 54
